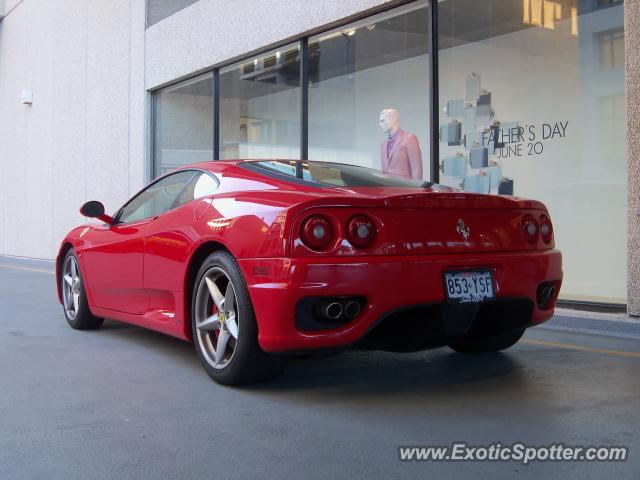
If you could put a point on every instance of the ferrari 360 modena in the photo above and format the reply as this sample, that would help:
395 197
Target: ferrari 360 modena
257 260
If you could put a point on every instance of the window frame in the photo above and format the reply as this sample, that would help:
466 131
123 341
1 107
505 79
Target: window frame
116 217
152 136
237 66
193 179
430 19
609 37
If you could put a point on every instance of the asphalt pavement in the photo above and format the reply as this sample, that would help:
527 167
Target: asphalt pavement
122 402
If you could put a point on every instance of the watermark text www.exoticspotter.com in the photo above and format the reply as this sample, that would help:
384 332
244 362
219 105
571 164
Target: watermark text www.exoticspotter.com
516 452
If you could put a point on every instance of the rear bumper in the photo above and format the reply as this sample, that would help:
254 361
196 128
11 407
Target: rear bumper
389 284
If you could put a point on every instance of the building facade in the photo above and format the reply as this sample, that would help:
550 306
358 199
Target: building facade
531 98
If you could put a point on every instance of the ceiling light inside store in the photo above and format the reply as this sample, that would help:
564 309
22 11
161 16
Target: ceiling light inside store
533 12
574 21
547 14
552 13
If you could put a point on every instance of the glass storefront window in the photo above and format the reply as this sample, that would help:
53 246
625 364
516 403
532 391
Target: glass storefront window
260 106
360 70
183 124
531 103
532 97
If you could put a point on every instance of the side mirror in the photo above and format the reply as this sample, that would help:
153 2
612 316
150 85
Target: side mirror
95 209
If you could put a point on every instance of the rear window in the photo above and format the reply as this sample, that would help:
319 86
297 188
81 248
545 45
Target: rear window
327 174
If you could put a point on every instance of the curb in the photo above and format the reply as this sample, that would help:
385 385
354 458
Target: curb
28 264
610 327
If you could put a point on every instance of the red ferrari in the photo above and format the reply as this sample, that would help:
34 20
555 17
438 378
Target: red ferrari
251 260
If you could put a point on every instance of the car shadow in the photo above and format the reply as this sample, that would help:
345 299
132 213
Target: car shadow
366 373
114 325
352 373
144 339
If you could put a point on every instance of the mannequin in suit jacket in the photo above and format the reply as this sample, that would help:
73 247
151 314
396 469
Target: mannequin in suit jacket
400 153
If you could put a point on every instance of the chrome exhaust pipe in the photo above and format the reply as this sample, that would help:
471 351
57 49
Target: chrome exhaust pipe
546 295
352 309
332 310
550 294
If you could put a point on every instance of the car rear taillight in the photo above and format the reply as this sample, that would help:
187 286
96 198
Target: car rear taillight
546 229
530 228
361 231
316 232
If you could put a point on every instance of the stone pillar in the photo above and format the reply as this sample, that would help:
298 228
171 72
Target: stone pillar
632 67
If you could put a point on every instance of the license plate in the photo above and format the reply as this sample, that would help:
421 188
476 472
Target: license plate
468 287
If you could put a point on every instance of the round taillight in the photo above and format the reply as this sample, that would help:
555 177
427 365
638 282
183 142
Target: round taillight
361 231
316 232
546 229
530 228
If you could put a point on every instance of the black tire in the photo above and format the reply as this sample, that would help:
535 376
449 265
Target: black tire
248 363
82 319
495 343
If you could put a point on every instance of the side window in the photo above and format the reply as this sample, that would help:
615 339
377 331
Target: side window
200 186
157 198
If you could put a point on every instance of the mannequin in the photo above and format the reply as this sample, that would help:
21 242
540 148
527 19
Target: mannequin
400 153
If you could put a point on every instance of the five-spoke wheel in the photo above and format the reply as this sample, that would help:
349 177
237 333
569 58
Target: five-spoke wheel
216 317
71 287
74 296
224 327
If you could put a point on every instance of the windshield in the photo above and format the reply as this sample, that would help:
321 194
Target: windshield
327 174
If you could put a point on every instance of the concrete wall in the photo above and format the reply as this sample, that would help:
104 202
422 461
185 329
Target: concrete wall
213 31
632 47
83 136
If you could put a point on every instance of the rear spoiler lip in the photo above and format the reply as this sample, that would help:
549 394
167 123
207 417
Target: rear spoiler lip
462 200
430 200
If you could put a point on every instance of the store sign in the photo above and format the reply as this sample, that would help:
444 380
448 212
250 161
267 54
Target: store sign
476 142
526 140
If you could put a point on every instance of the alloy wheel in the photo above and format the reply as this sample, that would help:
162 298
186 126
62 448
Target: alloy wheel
71 287
216 318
